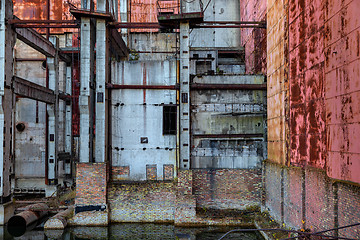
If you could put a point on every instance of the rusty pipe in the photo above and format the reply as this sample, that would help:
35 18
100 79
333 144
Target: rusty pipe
30 214
59 221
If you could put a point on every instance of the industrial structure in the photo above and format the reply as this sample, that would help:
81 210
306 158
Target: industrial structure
157 110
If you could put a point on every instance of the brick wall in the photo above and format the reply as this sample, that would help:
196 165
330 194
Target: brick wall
227 188
90 184
142 202
157 201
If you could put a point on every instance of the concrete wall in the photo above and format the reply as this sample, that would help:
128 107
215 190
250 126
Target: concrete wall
227 113
138 114
307 198
342 84
277 81
30 144
221 10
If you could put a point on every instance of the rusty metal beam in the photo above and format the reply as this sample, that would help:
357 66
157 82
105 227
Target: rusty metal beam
30 59
37 25
214 24
244 135
36 41
36 21
134 25
118 44
78 13
118 86
25 88
200 86
39 43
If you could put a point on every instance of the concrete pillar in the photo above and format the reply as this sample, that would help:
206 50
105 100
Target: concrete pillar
184 96
53 119
86 95
102 70
68 119
7 42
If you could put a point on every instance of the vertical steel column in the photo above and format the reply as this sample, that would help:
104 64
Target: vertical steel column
184 96
52 110
101 79
85 97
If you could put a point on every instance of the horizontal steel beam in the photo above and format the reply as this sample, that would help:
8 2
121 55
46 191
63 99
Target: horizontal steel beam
244 135
37 25
25 88
201 86
194 86
118 86
37 21
79 13
213 24
36 41
39 43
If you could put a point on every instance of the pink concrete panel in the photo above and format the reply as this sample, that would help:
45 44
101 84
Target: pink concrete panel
343 109
344 138
297 89
343 80
342 20
314 85
299 150
344 51
297 119
344 166
317 150
315 116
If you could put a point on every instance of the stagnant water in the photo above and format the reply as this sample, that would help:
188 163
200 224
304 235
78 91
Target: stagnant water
131 232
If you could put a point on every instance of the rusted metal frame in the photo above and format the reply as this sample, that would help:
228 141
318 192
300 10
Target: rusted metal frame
37 25
159 87
25 88
118 44
36 41
39 43
79 13
228 26
30 59
36 21
200 86
134 25
243 135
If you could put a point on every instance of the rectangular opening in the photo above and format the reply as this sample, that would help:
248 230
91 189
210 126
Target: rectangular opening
203 67
169 120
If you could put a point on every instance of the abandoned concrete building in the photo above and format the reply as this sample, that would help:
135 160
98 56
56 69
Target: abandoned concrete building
158 109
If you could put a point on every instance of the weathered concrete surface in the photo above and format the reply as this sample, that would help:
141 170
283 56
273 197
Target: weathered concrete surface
341 86
137 114
277 81
307 198
226 113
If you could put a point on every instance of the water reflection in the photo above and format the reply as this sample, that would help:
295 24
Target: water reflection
129 232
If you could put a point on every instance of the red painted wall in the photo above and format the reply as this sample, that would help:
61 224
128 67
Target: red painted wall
324 86
254 39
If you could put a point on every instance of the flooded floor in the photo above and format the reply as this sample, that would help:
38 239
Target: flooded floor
133 232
